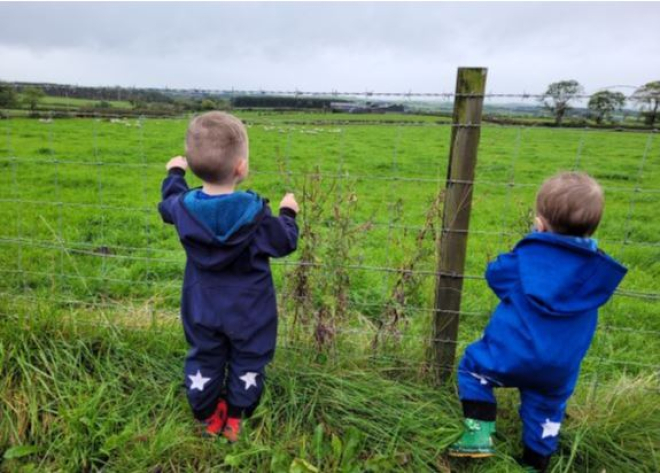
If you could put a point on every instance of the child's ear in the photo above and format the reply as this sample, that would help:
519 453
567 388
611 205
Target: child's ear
540 225
242 169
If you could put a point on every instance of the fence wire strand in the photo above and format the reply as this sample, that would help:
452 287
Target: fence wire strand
154 288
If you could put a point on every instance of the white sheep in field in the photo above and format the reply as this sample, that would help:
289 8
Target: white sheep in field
45 120
120 121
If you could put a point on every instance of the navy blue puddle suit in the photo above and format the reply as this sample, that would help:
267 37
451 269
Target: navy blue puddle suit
228 304
550 287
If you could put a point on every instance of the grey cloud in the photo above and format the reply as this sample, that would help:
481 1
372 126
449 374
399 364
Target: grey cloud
329 45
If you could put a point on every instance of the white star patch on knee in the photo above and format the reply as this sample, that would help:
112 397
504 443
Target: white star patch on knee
550 429
482 380
250 379
198 381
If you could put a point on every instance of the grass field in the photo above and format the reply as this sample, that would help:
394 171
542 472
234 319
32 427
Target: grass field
92 352
52 103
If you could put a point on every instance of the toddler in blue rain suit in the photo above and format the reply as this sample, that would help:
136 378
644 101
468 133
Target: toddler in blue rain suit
550 287
228 304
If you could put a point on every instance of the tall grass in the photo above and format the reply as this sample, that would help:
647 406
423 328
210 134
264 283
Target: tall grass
78 397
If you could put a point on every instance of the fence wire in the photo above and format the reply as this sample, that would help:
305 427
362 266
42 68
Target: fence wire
82 237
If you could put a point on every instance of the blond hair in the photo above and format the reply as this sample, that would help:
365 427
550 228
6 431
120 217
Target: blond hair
215 141
571 203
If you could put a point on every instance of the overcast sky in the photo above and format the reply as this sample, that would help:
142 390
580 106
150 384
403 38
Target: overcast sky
359 46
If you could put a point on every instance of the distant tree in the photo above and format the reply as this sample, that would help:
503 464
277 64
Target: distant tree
603 104
186 104
7 96
649 96
222 104
32 96
208 104
137 103
558 95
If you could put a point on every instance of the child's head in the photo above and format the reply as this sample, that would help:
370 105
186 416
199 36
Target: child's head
570 203
217 148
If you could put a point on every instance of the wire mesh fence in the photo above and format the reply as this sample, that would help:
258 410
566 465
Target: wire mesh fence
82 240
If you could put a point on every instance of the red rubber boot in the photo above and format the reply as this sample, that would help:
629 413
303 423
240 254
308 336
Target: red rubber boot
232 429
216 422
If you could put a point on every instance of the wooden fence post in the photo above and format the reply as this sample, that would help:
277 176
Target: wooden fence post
466 130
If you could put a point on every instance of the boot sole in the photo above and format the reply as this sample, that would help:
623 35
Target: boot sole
471 454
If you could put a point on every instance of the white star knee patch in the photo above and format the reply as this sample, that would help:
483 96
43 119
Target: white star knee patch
250 379
550 429
198 381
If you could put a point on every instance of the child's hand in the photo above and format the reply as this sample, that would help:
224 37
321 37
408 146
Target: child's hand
289 201
177 162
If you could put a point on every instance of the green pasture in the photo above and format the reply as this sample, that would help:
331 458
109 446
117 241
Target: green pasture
52 103
89 285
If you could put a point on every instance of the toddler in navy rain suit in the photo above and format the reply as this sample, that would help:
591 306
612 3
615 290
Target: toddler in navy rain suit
550 287
228 304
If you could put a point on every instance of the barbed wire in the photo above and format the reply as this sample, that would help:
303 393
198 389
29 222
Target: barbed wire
234 92
408 94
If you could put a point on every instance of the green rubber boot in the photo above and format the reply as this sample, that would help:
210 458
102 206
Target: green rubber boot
476 441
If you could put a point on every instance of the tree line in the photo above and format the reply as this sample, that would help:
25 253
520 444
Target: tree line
557 99
602 105
30 97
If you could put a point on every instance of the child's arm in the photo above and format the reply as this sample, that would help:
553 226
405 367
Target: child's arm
502 274
173 186
282 231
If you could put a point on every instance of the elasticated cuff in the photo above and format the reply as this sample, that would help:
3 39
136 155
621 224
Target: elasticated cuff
287 212
241 412
204 413
535 460
176 172
479 410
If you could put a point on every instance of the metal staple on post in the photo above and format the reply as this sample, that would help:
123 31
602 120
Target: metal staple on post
470 86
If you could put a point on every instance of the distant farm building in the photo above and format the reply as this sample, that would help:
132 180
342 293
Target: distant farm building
369 107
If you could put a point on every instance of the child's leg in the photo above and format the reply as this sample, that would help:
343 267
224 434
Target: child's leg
476 393
479 409
205 370
541 416
247 361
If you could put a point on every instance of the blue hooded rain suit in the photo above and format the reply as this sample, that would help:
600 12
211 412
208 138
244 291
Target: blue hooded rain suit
550 287
228 303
